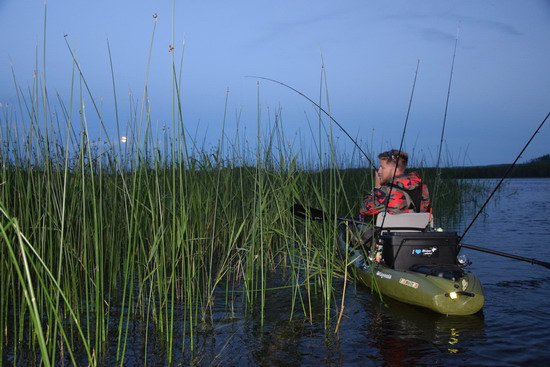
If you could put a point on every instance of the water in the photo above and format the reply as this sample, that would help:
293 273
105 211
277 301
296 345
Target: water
512 330
517 310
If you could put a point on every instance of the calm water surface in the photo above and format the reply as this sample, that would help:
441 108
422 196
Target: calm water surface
513 328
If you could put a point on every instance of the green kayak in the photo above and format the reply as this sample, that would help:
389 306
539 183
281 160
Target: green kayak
418 268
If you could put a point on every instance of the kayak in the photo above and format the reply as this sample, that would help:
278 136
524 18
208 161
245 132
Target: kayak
418 268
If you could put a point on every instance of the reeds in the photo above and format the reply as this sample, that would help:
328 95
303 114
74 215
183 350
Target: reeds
94 240
95 237
99 235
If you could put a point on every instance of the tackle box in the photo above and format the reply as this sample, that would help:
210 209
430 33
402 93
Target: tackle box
401 250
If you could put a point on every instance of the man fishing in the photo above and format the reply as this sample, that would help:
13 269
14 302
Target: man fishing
394 190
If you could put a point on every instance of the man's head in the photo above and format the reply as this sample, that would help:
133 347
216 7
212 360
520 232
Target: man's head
389 161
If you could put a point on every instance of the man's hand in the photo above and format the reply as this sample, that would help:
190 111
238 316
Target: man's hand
377 182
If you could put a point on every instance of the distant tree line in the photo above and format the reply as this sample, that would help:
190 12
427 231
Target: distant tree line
538 167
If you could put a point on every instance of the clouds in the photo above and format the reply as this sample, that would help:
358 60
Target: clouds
436 35
482 17
491 25
370 51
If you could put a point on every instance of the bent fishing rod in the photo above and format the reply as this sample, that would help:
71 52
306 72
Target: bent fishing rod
334 120
321 109
344 130
503 178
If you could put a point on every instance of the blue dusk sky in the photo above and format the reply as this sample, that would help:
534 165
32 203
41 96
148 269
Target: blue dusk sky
500 88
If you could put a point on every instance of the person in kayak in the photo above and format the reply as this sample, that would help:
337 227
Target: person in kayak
394 190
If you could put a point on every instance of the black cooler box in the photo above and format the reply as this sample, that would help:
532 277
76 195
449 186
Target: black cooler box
401 250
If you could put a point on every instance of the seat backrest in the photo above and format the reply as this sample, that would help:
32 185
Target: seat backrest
405 222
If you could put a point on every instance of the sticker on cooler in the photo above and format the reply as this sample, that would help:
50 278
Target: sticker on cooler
427 252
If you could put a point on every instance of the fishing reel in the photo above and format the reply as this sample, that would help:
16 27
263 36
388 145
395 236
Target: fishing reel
463 261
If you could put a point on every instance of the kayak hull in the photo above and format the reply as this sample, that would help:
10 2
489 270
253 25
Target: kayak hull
462 297
456 296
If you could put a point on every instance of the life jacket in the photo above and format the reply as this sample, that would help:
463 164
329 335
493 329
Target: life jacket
414 190
405 194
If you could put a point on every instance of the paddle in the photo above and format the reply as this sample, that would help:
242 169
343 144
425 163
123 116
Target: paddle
504 254
317 214
320 216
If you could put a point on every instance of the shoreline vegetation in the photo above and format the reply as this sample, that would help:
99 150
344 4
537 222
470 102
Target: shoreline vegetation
535 168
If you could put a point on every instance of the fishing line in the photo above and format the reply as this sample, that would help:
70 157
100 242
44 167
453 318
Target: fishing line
437 167
502 179
400 147
321 109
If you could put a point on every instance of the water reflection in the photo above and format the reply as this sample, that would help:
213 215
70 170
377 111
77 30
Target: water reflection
406 335
372 332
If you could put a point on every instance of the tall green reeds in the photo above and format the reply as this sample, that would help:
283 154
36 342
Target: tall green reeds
95 241
99 236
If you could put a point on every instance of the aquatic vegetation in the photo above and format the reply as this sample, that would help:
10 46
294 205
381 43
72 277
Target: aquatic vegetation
96 234
93 238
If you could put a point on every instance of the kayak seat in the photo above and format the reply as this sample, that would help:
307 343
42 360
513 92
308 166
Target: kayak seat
405 222
447 271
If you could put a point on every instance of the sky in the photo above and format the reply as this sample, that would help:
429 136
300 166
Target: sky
500 89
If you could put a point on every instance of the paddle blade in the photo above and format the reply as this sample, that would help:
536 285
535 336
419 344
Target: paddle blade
311 213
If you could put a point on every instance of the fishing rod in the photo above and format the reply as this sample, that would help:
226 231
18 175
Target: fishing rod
400 146
344 130
504 254
502 179
437 166
321 109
